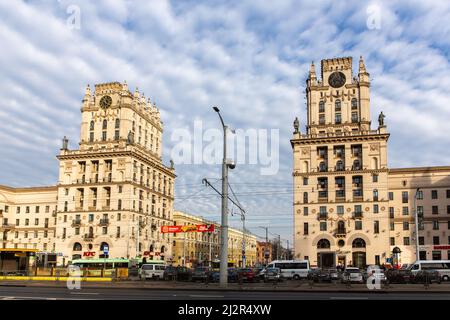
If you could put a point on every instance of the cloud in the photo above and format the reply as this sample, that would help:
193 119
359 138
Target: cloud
248 57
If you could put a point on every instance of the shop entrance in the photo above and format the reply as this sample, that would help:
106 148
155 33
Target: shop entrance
326 260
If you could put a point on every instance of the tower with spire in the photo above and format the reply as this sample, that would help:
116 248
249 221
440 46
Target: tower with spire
340 170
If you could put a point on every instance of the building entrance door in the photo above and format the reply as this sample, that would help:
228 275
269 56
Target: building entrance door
326 260
359 260
341 261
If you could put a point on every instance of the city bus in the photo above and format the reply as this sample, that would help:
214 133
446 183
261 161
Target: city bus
441 266
102 267
291 269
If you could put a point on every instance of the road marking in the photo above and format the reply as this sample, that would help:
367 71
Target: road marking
204 296
349 298
25 298
91 293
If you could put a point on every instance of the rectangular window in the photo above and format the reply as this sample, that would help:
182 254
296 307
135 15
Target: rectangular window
338 118
340 210
36 222
354 117
420 195
358 225
392 226
436 225
18 210
392 241
17 222
406 241
391 212
116 135
104 136
105 230
448 193
436 240
435 210
305 211
305 181
27 209
305 228
434 194
323 226
405 225
375 208
91 217
448 209
405 211
47 209
375 178
321 119
421 241
376 226
404 196
91 136
391 196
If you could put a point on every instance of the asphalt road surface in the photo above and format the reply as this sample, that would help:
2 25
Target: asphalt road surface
42 293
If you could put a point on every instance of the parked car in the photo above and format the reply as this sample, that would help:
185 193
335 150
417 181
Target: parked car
151 271
426 277
232 275
352 274
272 275
375 271
246 275
335 274
399 276
201 273
177 273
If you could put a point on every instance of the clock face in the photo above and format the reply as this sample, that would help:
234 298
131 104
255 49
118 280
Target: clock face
105 102
336 79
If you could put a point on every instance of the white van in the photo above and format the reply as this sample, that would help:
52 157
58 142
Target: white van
291 269
441 266
152 271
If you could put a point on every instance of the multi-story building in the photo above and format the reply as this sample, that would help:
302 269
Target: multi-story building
192 248
349 207
113 191
263 252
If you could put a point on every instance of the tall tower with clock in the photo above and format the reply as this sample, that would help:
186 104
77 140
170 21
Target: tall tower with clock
340 171
114 192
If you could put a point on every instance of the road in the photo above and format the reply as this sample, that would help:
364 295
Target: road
45 293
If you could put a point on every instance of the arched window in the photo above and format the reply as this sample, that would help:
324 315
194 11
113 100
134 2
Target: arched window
117 124
103 245
322 166
305 166
337 105
91 231
77 246
323 244
354 104
91 127
163 249
305 197
358 243
375 195
356 165
151 248
339 165
105 124
374 163
321 106
341 227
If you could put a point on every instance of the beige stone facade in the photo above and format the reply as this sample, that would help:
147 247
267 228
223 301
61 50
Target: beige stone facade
113 190
347 202
195 247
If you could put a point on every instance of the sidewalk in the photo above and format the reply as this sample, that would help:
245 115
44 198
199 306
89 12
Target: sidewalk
250 287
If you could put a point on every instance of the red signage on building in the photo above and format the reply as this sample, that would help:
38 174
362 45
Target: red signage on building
441 247
88 254
188 228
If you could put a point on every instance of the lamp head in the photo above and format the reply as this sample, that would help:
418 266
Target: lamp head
216 109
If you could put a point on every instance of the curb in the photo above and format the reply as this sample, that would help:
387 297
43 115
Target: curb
284 290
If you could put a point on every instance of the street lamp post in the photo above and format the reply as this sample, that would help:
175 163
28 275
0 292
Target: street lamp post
416 216
224 221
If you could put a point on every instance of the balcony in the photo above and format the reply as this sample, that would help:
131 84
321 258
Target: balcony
7 226
88 237
76 223
322 216
340 233
104 222
357 215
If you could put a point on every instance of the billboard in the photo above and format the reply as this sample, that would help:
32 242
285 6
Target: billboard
188 228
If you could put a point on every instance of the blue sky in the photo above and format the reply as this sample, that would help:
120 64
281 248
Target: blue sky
249 57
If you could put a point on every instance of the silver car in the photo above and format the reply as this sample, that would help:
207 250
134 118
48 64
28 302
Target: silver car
352 275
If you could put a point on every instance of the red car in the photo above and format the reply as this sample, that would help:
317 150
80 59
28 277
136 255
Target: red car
246 275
